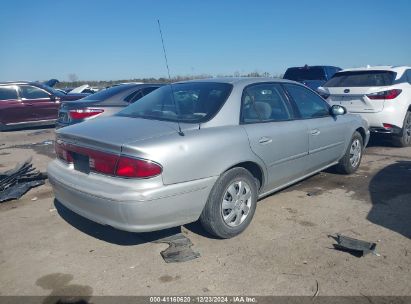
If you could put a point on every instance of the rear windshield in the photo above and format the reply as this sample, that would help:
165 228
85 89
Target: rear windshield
361 79
192 102
107 93
300 74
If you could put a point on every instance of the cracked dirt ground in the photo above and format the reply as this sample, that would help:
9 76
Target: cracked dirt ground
48 250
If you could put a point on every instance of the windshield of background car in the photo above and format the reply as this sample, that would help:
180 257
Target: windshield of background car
361 79
300 74
191 102
107 93
52 90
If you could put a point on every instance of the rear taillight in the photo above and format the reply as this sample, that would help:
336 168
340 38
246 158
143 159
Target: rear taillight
390 94
84 113
100 162
388 126
62 152
107 163
131 167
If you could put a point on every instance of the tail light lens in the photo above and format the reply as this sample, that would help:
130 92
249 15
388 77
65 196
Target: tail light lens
84 113
130 167
390 94
62 153
388 126
107 163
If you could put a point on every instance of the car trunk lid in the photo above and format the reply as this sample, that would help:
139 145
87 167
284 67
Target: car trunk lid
111 133
86 144
355 99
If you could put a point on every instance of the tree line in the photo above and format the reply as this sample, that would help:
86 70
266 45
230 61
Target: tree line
74 82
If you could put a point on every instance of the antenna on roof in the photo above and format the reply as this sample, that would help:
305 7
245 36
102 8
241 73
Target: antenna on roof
180 132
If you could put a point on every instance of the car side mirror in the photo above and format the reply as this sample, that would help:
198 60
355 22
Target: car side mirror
338 110
54 98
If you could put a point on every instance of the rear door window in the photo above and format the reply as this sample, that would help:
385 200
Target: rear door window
361 79
263 103
133 97
309 104
136 95
149 90
409 76
8 93
30 92
305 73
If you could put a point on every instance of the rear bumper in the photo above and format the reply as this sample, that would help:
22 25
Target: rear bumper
136 206
388 115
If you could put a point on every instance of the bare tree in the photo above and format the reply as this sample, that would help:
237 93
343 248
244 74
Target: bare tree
73 77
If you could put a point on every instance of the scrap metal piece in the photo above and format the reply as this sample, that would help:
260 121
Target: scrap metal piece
16 182
179 249
18 190
356 247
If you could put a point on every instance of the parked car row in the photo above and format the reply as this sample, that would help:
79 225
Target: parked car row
381 95
27 104
145 163
24 104
106 102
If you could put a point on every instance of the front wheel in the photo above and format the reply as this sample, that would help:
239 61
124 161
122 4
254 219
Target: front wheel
231 204
404 138
351 160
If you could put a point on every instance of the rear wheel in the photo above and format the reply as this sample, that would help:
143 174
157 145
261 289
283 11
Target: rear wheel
352 157
404 138
231 204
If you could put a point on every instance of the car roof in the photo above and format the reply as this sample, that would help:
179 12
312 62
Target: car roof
313 66
397 69
20 82
240 80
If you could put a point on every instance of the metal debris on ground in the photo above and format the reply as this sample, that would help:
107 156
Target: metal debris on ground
356 247
16 182
179 249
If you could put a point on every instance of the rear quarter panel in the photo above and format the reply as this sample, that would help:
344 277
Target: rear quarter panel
198 154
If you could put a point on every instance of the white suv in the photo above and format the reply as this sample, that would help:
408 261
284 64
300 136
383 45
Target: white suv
381 95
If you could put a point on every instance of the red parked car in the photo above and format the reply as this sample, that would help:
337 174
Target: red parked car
24 104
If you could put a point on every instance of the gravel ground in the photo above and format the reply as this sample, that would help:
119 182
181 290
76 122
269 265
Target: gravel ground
48 250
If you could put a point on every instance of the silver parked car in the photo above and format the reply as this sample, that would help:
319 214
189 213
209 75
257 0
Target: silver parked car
203 150
104 103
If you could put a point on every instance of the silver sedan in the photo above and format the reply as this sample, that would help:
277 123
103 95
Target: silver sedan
204 149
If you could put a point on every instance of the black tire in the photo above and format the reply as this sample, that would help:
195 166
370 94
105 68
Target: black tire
212 216
345 165
404 138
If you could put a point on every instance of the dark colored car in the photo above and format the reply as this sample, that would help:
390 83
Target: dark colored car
103 103
311 76
26 104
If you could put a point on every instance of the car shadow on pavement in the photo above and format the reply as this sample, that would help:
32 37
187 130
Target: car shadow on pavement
390 192
110 234
380 140
196 228
33 128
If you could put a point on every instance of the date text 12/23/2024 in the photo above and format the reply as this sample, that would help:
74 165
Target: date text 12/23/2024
203 299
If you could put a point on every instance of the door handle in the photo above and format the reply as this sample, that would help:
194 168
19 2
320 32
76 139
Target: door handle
265 140
315 132
29 104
